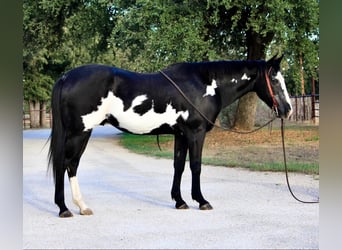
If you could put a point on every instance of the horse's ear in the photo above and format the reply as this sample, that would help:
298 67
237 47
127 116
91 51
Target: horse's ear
273 58
274 61
278 60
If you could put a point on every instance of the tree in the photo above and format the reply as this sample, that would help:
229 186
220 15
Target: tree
256 24
59 35
146 35
302 45
154 34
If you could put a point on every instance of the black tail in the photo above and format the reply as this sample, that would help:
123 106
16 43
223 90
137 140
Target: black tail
58 135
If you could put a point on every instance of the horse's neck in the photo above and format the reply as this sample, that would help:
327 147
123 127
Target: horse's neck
231 80
230 93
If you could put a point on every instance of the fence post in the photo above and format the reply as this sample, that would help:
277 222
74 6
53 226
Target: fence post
313 96
296 107
304 115
42 114
50 118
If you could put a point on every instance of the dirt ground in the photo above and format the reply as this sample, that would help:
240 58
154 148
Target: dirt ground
130 196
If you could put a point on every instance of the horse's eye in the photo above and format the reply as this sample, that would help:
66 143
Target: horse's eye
275 80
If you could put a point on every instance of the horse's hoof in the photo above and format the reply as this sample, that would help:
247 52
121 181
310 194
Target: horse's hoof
183 206
86 212
66 214
206 206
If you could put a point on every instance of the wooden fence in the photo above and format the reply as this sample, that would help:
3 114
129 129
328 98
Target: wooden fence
305 108
27 119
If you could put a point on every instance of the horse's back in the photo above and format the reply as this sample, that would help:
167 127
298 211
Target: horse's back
95 94
88 75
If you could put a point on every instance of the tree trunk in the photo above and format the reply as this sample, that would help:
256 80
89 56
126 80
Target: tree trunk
245 114
256 48
34 114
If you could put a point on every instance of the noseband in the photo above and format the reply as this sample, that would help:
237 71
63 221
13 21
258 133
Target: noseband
275 103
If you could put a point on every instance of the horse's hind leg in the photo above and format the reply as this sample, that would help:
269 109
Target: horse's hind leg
75 147
59 193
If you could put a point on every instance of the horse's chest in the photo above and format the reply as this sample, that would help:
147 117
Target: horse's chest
132 119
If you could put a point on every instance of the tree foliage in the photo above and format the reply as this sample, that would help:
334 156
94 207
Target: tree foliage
154 34
146 35
302 41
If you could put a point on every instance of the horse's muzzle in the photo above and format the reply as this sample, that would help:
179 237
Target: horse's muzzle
287 112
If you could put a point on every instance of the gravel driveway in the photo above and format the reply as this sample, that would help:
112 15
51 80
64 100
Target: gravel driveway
130 197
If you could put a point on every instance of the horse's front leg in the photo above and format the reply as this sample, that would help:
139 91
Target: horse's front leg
180 151
196 141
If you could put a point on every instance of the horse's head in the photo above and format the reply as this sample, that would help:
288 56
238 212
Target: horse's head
274 92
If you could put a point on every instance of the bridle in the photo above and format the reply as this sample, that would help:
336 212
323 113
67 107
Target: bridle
270 90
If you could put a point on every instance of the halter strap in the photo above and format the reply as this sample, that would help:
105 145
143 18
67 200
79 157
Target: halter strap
275 103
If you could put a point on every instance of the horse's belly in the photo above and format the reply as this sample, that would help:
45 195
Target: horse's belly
112 107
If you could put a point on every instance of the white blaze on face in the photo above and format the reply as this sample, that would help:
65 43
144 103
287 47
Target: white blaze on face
245 77
133 122
211 89
280 78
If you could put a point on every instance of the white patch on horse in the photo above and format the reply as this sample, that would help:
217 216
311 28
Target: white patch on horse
129 120
138 100
211 89
234 80
77 196
280 78
245 77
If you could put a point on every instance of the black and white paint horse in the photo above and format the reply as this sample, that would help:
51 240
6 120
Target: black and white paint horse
144 104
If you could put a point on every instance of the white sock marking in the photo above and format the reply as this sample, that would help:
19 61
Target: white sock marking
76 193
211 89
133 122
234 80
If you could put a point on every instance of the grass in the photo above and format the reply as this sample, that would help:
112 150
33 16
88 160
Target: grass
254 157
313 138
146 145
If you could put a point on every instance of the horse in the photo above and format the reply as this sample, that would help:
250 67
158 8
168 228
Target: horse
149 104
